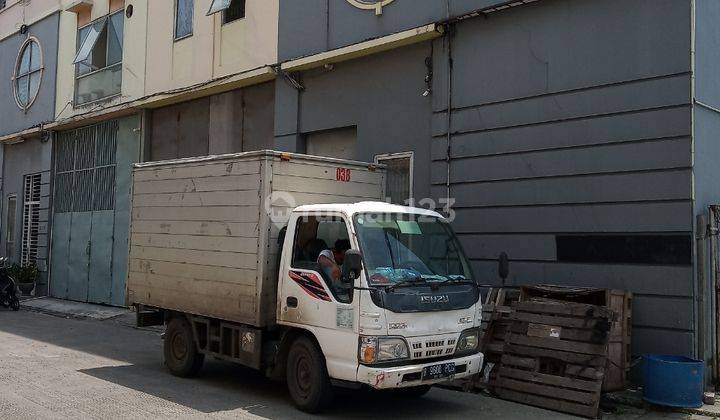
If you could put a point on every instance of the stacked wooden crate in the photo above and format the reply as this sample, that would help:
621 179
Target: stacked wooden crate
555 355
496 310
618 301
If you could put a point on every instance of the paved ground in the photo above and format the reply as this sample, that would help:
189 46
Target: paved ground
54 367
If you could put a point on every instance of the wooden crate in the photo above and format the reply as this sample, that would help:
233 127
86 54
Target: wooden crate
496 310
620 302
555 356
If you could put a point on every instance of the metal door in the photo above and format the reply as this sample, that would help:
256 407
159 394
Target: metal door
83 219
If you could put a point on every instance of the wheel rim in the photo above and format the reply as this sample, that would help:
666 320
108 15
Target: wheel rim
303 374
178 346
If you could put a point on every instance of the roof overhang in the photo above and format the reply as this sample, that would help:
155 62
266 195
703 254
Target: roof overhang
362 49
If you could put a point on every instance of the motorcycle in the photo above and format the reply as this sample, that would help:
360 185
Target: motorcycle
8 288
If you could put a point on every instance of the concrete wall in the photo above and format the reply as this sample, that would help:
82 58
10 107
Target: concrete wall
12 117
213 50
567 118
18 12
239 120
32 156
134 55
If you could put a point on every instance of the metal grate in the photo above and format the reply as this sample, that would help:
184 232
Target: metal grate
31 219
85 169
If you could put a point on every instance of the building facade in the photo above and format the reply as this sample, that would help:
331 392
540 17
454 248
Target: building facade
574 136
28 45
139 81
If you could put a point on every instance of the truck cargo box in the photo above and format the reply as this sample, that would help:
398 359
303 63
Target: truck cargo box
203 236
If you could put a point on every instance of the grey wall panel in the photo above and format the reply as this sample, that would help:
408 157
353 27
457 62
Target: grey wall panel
612 99
661 154
644 125
531 48
614 187
12 118
639 279
675 312
660 340
181 130
258 117
599 218
381 96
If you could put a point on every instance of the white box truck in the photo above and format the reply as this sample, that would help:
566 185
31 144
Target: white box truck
289 264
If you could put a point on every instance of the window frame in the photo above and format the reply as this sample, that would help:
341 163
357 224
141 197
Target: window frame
224 20
41 70
400 155
8 215
78 76
177 38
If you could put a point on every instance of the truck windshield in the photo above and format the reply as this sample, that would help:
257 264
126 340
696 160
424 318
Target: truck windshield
401 248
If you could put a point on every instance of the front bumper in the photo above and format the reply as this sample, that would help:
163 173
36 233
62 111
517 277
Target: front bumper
411 375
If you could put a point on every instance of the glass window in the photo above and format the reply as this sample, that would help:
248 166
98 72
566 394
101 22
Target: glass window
218 6
406 247
320 245
398 179
183 18
235 11
99 58
28 73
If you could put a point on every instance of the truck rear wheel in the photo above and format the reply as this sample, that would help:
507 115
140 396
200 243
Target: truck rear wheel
307 378
181 355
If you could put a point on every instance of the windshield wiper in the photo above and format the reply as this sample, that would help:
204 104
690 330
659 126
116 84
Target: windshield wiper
415 281
456 280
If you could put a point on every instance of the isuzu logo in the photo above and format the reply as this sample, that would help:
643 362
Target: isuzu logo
434 299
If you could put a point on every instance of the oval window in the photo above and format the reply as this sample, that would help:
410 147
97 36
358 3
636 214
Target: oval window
28 73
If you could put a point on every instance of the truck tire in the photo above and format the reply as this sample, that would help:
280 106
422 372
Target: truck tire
181 355
307 378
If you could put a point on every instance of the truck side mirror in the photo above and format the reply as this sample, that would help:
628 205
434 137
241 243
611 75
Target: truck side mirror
352 265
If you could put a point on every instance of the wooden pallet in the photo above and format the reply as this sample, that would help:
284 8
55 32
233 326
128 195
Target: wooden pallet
620 302
555 356
496 311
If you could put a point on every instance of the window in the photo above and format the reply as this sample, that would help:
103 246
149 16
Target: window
232 9
398 181
10 229
28 73
85 169
235 12
31 219
99 59
625 249
315 234
183 18
2 4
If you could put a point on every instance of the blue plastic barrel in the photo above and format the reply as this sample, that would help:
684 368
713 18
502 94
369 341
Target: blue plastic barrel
673 381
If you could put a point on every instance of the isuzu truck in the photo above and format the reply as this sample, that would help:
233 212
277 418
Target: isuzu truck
292 264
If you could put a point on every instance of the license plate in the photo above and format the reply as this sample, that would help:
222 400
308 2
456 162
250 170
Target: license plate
444 370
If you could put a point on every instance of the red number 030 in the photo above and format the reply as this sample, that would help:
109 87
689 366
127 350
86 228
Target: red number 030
342 175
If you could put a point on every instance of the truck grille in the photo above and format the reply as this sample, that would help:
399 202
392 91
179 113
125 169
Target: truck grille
432 347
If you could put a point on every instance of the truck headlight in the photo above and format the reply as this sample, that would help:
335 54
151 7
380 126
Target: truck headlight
382 349
468 342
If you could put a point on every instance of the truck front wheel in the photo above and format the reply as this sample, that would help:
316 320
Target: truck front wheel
181 355
307 377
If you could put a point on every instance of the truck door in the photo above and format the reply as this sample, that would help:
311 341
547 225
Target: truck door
312 295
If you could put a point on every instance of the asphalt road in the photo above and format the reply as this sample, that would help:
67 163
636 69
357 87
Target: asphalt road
54 367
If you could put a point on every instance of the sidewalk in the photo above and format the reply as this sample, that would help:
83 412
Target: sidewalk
70 309
633 398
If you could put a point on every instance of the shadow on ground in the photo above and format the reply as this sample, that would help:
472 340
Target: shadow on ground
220 387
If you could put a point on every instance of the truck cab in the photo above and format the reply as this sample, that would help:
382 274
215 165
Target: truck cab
377 295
